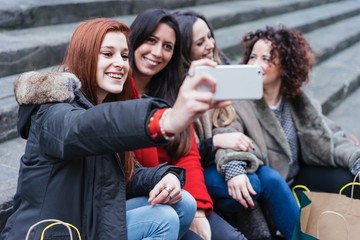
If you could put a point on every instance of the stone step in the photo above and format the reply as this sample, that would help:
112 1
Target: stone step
336 78
347 114
40 47
18 14
33 13
305 20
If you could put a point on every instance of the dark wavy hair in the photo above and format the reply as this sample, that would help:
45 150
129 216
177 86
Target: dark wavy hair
167 82
294 52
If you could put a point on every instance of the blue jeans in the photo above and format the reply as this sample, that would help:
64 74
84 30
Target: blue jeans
181 213
271 189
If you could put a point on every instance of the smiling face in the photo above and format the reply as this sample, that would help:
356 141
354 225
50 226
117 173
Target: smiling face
261 55
113 65
203 43
156 52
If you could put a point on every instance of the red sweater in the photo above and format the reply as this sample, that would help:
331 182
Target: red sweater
195 183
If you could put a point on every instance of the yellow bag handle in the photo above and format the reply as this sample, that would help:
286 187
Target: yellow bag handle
352 184
55 222
294 193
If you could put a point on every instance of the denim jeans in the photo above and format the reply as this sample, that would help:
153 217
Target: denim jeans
271 189
181 213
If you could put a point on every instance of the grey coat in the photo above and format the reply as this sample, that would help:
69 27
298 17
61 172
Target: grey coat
321 142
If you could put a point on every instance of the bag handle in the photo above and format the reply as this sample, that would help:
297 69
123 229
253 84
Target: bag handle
336 214
55 222
352 184
300 187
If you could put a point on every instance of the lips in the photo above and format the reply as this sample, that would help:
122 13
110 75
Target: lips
151 62
115 75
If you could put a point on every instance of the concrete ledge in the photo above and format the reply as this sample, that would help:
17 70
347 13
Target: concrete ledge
34 13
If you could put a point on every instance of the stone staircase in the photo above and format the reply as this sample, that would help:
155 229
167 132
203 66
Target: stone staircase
34 35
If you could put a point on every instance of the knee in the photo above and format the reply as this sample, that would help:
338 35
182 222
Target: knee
270 177
212 176
166 214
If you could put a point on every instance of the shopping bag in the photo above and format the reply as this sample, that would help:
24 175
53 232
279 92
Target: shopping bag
53 222
328 216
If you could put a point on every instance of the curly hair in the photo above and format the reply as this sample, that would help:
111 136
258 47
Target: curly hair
295 55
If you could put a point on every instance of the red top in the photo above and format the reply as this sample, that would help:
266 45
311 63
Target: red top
195 183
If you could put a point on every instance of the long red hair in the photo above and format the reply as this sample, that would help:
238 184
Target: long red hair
81 59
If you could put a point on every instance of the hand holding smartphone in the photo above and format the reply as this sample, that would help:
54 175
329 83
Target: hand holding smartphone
235 81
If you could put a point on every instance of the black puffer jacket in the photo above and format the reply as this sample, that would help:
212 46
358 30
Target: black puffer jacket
70 170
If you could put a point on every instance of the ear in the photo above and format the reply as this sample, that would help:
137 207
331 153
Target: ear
45 87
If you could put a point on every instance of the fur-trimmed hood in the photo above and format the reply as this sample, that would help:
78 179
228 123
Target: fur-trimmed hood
34 88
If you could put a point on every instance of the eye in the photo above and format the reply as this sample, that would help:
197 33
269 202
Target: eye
125 57
252 57
106 54
199 44
266 59
168 47
151 40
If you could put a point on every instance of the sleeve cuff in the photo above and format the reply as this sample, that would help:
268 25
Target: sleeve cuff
233 168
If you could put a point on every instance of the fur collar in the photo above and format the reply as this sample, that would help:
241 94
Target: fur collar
45 87
314 135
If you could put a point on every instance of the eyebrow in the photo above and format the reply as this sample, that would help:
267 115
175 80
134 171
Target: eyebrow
111 47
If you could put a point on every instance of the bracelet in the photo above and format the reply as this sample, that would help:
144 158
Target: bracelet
166 135
153 125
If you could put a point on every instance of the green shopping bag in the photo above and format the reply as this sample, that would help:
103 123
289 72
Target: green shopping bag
298 234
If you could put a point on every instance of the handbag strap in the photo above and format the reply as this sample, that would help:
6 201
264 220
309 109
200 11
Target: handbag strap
54 222
336 214
299 187
352 184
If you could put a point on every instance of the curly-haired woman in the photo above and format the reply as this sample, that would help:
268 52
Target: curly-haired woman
287 128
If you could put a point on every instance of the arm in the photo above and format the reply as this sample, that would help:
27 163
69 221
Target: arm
73 132
346 151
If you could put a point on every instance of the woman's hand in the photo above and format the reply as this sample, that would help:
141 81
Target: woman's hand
236 141
191 102
201 225
239 188
167 191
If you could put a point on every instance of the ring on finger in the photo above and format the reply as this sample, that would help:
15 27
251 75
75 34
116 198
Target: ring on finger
170 197
188 74
168 189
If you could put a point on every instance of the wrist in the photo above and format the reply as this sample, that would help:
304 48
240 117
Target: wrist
200 214
156 125
164 129
215 140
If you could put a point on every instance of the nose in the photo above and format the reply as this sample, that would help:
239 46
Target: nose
210 43
118 61
156 50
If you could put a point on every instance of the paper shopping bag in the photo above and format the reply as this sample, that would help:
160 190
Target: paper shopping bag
328 216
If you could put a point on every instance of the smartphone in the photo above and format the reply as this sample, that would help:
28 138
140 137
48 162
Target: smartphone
235 81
